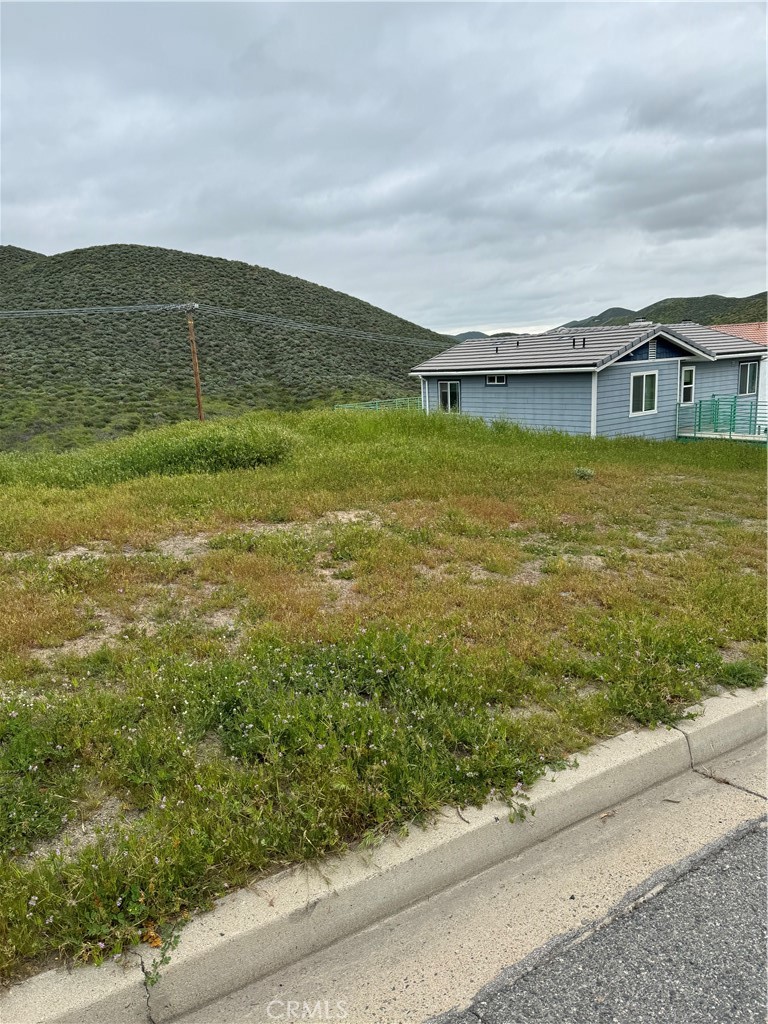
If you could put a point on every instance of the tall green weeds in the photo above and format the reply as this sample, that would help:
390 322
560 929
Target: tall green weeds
169 451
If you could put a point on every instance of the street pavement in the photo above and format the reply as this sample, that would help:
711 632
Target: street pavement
438 954
692 952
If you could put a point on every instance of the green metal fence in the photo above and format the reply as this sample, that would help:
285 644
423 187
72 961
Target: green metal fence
381 404
723 415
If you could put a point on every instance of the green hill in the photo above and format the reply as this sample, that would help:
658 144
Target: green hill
68 380
609 317
472 335
11 256
703 309
708 309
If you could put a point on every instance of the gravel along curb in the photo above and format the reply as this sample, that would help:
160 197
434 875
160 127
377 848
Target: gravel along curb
285 918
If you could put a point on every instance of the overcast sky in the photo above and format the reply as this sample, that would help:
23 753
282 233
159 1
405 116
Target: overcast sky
463 165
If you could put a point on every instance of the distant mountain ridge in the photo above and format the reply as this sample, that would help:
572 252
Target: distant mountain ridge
703 309
73 379
472 335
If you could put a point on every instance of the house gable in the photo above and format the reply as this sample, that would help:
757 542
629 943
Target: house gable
663 348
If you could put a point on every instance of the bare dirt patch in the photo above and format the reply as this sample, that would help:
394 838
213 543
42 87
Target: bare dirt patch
344 592
734 651
169 603
478 574
529 574
210 748
97 813
536 537
184 545
110 626
652 539
594 562
98 549
188 546
522 712
353 515
432 572
222 618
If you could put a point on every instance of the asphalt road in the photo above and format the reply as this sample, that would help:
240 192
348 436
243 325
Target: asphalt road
527 910
689 947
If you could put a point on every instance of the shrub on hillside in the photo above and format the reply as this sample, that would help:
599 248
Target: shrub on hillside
167 451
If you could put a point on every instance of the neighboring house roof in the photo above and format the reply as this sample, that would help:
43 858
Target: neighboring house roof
590 348
719 343
757 332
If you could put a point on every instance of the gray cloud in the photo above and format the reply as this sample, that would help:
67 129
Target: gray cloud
459 164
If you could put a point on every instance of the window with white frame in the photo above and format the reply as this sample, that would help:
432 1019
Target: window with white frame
687 384
449 393
496 380
748 378
643 393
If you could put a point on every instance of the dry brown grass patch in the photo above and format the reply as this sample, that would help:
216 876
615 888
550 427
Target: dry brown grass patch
489 510
30 619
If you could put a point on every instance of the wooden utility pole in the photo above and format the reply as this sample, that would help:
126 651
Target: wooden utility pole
195 367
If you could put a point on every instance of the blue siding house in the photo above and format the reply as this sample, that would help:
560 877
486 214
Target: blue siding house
648 380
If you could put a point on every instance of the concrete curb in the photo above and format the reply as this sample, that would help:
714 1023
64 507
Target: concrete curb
725 723
262 929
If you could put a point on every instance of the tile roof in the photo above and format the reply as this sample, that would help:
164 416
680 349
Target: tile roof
718 342
588 348
757 331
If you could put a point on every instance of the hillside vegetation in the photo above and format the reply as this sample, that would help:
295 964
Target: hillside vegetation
72 380
208 676
703 309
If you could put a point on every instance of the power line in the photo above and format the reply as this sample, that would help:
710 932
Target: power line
241 315
268 320
22 314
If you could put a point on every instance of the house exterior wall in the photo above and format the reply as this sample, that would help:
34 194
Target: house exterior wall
614 394
563 401
542 401
720 378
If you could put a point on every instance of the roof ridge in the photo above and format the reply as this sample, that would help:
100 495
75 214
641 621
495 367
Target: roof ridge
559 349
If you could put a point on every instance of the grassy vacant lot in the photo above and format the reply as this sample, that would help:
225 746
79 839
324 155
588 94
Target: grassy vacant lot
206 676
